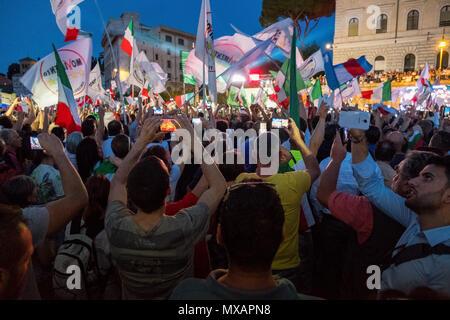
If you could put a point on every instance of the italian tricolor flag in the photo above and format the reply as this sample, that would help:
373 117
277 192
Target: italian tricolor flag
381 93
180 100
67 111
127 42
146 90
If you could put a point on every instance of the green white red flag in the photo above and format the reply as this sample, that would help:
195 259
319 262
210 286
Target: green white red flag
67 111
128 39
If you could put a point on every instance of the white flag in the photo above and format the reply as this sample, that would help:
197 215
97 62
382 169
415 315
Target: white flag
204 47
280 33
42 79
95 83
144 70
351 89
312 65
61 9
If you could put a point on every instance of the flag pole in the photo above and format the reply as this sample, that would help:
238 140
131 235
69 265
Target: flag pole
115 63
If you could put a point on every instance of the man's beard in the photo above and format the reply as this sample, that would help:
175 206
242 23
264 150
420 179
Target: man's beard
425 203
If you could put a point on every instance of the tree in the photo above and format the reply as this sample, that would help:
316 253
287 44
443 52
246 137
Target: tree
308 50
307 11
13 69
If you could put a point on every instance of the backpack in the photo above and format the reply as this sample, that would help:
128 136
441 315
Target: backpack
78 250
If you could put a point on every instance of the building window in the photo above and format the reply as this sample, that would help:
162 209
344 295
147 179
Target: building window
169 39
169 76
181 78
168 52
444 60
156 56
380 64
444 20
181 42
410 62
353 27
181 66
169 64
413 20
382 23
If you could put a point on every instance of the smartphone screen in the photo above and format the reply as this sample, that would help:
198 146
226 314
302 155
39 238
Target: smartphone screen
169 125
34 142
158 111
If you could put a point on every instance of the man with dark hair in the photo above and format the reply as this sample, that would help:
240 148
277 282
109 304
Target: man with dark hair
441 140
114 128
154 252
422 255
251 220
16 249
89 127
384 152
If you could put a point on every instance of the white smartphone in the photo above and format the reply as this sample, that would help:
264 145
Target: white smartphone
196 121
354 120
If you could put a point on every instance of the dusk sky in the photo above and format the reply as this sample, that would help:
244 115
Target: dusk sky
28 27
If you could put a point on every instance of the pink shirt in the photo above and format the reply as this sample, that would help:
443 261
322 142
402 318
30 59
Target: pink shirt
355 211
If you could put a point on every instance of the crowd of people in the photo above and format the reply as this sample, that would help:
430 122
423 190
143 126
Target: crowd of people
111 201
406 76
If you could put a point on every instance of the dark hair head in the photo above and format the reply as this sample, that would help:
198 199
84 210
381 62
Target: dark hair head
148 183
442 162
158 152
222 125
59 132
373 135
441 141
231 171
385 150
19 190
6 122
251 219
98 190
414 162
88 127
12 247
87 156
303 125
121 145
114 128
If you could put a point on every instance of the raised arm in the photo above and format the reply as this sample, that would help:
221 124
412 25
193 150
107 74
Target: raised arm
319 131
101 126
216 182
329 178
297 143
371 183
63 210
118 184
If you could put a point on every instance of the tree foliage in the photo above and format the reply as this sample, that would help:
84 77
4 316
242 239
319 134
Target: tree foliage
307 11
308 50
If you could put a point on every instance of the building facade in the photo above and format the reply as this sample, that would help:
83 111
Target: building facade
161 44
394 35
25 65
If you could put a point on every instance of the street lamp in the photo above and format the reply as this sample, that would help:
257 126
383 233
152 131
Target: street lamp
442 45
